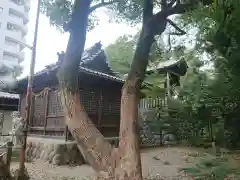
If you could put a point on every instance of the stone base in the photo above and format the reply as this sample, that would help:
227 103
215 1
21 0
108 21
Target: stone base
57 152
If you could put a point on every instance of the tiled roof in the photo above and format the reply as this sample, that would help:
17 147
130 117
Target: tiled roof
100 74
87 66
165 65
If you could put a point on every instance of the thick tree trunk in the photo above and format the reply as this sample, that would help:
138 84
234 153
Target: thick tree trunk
96 150
130 161
90 142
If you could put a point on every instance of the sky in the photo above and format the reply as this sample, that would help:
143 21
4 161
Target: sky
50 40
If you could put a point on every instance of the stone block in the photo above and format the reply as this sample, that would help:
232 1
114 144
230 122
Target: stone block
56 152
50 157
56 159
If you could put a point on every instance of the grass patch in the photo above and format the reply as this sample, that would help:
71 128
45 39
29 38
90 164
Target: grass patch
212 168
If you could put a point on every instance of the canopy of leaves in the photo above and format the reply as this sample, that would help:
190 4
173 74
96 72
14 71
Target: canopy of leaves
218 39
128 11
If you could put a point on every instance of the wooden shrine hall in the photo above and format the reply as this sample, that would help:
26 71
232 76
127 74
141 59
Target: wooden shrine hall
100 94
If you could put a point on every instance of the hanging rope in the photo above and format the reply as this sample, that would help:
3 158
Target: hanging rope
43 92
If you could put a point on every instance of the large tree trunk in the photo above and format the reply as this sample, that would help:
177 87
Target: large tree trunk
90 142
130 162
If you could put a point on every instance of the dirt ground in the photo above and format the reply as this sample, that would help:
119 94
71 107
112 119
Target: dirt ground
161 162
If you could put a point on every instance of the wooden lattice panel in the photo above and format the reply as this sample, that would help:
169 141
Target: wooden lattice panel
111 104
55 133
54 104
110 119
90 101
55 122
39 110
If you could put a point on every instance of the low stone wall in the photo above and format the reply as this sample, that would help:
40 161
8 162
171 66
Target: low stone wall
57 152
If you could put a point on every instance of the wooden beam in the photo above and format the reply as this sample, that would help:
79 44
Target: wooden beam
48 128
32 110
55 116
66 133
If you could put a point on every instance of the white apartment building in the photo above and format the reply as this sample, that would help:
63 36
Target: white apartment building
14 16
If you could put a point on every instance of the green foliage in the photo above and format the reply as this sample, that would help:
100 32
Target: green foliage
120 54
217 88
210 168
58 11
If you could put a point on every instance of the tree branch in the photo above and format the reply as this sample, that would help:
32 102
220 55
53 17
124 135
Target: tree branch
169 43
180 31
180 8
163 4
172 3
158 22
101 4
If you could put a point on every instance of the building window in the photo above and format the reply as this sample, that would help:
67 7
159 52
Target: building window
12 27
1 9
11 43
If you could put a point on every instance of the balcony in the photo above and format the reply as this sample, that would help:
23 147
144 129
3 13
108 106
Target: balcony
24 29
17 36
14 51
19 8
16 21
26 17
21 56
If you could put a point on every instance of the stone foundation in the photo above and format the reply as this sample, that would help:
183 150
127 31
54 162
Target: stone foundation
57 152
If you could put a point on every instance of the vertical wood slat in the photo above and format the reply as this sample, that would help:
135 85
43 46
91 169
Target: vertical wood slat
46 110
9 154
100 108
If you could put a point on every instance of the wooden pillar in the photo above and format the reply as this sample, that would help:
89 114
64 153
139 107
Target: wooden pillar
32 109
9 154
66 133
46 109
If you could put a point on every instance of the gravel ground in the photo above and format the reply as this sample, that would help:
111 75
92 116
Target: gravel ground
165 163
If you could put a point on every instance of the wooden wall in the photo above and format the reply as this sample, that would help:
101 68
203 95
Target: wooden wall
47 113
